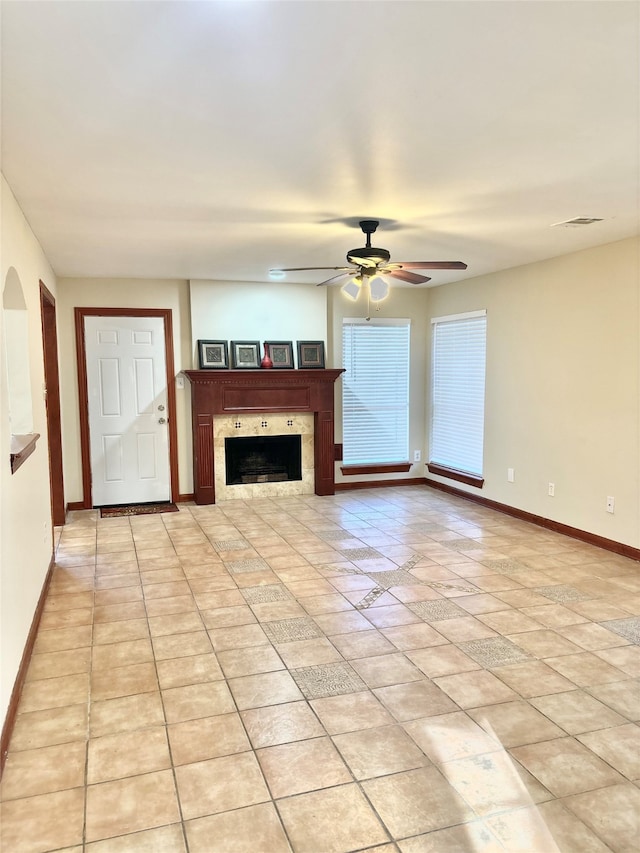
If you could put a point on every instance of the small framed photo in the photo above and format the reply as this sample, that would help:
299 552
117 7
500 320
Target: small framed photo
310 354
213 355
245 355
280 353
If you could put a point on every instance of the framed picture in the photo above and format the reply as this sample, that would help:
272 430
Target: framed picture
245 355
310 354
280 353
213 355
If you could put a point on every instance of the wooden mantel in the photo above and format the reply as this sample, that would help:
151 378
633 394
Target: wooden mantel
231 392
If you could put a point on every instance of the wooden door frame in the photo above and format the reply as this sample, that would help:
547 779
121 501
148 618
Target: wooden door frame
83 393
52 403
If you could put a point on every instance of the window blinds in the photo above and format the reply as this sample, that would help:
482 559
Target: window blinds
375 392
457 391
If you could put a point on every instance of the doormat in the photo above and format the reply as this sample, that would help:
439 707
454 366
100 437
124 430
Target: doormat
136 509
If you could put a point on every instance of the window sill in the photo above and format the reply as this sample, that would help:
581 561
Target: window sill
22 446
453 474
377 468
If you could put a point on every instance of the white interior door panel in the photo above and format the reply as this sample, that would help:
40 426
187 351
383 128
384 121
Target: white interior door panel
127 392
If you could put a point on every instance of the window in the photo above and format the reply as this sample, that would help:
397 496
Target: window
375 391
457 395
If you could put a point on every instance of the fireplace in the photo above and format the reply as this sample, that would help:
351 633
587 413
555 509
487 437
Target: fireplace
271 442
263 459
243 403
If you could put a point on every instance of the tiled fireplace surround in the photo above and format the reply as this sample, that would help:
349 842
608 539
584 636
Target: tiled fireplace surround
244 426
238 403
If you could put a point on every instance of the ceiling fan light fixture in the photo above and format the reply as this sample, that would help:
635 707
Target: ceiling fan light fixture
352 287
378 288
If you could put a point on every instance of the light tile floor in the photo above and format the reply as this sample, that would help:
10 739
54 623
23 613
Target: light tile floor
389 670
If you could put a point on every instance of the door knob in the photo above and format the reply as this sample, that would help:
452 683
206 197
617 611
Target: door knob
162 420
161 408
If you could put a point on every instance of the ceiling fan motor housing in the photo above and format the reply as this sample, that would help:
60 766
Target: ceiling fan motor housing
368 255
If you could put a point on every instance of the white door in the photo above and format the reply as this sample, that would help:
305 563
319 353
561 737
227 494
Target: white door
127 390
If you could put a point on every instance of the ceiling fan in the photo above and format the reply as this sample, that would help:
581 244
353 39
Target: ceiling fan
373 266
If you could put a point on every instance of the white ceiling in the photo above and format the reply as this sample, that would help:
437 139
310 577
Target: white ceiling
218 139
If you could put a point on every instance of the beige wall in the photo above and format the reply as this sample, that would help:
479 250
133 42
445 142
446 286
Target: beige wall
251 311
201 310
26 535
563 385
121 293
402 302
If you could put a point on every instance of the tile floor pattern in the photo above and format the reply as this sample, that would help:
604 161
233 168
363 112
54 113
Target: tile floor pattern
388 670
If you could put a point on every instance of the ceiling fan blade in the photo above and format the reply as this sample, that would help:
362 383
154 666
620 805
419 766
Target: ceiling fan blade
429 265
411 277
300 269
338 279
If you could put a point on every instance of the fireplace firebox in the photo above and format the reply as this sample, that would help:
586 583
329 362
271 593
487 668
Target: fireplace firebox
263 459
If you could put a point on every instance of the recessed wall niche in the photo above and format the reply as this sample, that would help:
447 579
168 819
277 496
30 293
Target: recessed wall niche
16 345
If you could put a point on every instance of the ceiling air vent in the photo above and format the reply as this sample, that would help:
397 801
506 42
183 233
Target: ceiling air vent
577 222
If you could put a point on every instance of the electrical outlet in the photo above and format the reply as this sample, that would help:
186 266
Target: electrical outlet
180 382
417 455
611 502
510 475
552 490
